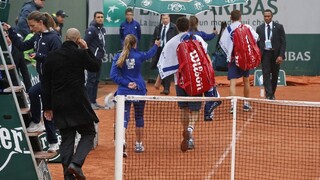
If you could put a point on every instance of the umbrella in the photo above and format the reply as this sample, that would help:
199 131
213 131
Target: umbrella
187 7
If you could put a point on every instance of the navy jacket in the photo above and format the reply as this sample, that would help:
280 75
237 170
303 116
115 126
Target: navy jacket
205 36
42 43
131 72
95 37
130 28
22 27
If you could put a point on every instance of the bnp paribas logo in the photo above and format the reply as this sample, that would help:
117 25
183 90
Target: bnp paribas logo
114 11
10 145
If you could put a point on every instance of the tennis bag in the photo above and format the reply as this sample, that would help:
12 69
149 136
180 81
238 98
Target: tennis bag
246 51
219 59
195 73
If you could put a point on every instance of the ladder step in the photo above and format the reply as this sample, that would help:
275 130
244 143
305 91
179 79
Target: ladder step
25 110
10 67
15 88
6 52
44 155
34 134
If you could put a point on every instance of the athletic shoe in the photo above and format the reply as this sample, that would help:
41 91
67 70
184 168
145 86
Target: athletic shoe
209 117
185 142
247 107
125 150
96 106
209 109
33 127
190 144
138 148
53 147
109 101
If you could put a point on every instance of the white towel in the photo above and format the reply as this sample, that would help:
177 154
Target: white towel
168 62
226 40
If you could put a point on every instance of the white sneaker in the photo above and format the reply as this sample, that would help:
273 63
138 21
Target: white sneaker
109 101
53 147
33 127
138 148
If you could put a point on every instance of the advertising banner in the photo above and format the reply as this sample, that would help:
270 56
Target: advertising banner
297 17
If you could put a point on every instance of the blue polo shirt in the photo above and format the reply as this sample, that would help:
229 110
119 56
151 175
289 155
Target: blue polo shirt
130 28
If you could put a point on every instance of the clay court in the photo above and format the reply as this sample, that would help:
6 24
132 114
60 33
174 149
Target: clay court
213 164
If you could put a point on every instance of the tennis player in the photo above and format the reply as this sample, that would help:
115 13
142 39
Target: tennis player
168 64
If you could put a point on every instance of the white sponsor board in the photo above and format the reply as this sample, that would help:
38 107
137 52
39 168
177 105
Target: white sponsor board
298 17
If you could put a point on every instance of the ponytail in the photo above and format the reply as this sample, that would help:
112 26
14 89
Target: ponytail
50 23
129 42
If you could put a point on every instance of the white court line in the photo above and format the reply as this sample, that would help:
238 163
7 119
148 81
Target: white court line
228 149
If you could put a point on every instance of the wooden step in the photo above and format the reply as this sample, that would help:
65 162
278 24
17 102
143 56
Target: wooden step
34 134
15 88
10 67
44 155
25 110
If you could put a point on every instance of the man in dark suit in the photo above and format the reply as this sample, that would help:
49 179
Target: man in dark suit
272 44
67 101
164 31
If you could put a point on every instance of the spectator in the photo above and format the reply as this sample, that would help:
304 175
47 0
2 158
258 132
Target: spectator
59 20
67 100
95 38
130 26
22 26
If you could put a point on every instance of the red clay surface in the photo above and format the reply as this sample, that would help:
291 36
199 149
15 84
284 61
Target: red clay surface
100 162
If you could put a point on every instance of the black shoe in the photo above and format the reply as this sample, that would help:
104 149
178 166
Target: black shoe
270 97
69 177
165 92
77 171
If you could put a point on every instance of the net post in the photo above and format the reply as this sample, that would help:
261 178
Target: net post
234 137
119 137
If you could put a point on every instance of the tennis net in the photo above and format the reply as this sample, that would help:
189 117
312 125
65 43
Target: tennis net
270 140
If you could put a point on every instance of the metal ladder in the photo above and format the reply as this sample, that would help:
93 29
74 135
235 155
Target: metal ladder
21 152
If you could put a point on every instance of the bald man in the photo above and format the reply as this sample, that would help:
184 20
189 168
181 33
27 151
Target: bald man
66 100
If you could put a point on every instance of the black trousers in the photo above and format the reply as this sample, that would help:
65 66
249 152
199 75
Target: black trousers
270 71
85 145
21 66
166 82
